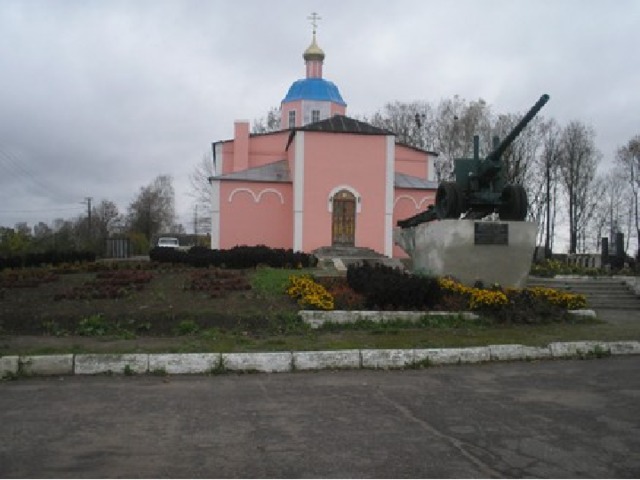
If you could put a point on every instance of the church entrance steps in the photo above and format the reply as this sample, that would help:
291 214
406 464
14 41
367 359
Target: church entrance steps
346 252
608 293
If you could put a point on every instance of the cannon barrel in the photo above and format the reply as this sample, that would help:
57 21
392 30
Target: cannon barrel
496 154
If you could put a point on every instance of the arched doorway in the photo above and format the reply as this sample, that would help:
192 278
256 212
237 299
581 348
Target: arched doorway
343 231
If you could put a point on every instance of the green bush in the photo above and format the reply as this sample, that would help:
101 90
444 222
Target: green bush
187 327
385 288
93 326
236 257
551 268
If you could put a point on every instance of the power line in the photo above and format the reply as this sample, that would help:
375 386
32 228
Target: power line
19 169
41 210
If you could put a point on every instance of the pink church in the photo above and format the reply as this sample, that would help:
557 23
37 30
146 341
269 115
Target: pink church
324 180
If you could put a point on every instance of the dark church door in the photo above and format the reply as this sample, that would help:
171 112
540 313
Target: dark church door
344 219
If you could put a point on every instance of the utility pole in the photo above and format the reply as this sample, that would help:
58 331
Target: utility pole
87 200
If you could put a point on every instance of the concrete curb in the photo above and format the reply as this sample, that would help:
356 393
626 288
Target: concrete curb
317 318
272 362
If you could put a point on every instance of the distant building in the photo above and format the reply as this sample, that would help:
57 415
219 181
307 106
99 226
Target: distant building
324 180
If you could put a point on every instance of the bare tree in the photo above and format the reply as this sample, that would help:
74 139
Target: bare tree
456 123
64 234
268 123
105 219
412 122
611 210
447 129
153 210
578 162
520 159
201 193
592 200
549 163
628 159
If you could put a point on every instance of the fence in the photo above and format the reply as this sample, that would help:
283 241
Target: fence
118 248
584 260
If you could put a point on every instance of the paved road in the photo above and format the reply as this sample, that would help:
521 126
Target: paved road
538 419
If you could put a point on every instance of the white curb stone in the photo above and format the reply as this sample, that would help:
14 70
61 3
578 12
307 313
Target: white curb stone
447 356
317 318
326 359
92 364
624 348
386 358
47 364
437 356
571 349
583 313
258 362
186 363
536 353
506 352
8 365
474 354
518 352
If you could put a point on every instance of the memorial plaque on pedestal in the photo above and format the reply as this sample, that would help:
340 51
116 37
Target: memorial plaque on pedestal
488 233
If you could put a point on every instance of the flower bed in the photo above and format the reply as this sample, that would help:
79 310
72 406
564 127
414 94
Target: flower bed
217 282
385 289
108 285
26 278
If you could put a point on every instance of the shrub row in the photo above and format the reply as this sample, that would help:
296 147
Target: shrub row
236 257
385 288
51 257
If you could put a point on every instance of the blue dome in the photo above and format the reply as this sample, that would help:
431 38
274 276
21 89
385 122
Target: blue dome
314 89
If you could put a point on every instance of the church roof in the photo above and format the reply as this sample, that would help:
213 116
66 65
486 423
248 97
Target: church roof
403 180
314 89
344 124
272 172
339 124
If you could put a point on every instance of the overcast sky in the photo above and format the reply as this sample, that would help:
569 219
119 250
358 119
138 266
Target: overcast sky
97 98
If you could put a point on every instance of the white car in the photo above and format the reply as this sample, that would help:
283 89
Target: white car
168 242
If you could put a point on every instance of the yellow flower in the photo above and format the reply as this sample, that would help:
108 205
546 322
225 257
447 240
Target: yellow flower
570 301
308 293
487 299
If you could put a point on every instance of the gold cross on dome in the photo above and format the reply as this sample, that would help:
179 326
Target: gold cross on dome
314 17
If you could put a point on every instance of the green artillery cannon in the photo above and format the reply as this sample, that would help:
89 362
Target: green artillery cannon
480 187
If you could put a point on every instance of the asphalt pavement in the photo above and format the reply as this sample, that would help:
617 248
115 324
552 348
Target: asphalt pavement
554 418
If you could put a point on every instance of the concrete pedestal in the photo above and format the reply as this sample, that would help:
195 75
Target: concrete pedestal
471 250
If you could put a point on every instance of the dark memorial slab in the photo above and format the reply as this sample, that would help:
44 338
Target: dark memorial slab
486 233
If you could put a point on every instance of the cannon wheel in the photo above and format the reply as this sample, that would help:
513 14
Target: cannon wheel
449 200
514 203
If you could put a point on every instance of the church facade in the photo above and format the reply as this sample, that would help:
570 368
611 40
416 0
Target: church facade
325 179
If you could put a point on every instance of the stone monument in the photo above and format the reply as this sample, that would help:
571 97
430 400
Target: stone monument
471 250
477 230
